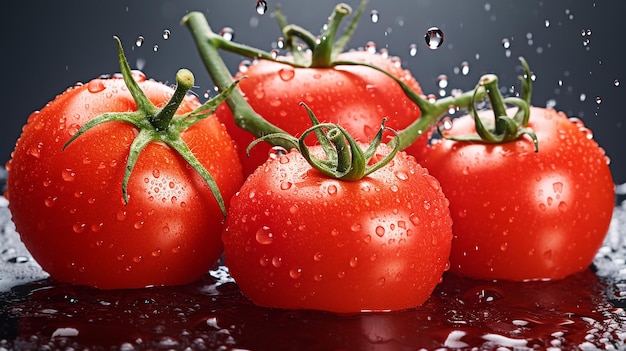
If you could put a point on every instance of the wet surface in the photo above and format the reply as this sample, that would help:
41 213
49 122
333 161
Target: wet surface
584 311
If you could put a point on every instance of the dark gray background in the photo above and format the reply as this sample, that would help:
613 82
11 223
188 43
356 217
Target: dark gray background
50 45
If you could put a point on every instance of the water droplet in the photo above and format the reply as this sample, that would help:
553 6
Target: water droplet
402 175
95 86
442 81
68 175
166 34
370 47
374 16
414 218
261 7
227 33
598 100
155 48
244 65
332 189
295 273
446 123
465 68
616 83
138 224
434 38
287 73
506 43
318 256
380 231
562 206
139 41
355 227
78 227
277 261
35 150
264 236
546 23
354 261
413 49
285 186
50 201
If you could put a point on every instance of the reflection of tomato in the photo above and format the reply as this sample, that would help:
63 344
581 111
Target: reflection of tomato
68 207
355 97
520 214
295 238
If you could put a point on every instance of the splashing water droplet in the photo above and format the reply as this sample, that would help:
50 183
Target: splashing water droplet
413 49
598 100
506 43
227 33
465 68
155 48
374 16
616 82
166 34
244 65
442 81
434 37
261 7
446 123
139 41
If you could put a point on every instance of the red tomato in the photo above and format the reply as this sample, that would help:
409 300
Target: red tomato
520 214
355 97
297 239
68 205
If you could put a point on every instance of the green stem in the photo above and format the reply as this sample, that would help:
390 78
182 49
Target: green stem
323 52
246 118
490 82
184 82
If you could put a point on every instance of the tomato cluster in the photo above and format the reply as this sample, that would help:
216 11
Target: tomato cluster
124 183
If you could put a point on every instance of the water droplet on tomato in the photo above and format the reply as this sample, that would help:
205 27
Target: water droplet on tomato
35 150
380 231
264 236
414 218
50 201
374 16
261 7
332 189
354 261
318 256
562 206
244 65
276 152
295 273
138 224
433 38
121 215
277 261
227 33
370 47
286 73
68 175
78 227
355 227
95 86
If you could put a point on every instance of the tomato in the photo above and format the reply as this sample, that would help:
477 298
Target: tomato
520 214
355 97
68 206
295 238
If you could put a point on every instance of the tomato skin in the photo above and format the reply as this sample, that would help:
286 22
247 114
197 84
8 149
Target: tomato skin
355 97
296 239
520 215
68 207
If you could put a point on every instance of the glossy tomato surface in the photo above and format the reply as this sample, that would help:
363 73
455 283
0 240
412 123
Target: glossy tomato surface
520 214
299 240
68 206
355 97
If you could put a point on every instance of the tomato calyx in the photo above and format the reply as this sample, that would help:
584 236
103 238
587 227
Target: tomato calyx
159 125
344 158
502 129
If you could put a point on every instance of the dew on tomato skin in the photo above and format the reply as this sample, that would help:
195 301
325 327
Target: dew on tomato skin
68 175
355 227
121 215
78 227
264 236
286 74
95 86
35 150
50 201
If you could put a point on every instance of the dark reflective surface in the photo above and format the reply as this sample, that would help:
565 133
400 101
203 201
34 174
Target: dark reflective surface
582 311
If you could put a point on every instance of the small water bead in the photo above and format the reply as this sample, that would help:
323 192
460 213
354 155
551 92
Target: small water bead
370 47
286 74
616 83
166 34
95 86
227 33
598 100
506 43
244 65
264 236
261 7
413 49
465 68
434 38
374 16
139 41
442 81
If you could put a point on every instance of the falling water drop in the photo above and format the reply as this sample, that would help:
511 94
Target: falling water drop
434 38
413 49
139 41
261 7
374 16
166 34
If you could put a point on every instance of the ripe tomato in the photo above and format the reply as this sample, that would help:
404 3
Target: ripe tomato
296 239
520 214
355 97
68 206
